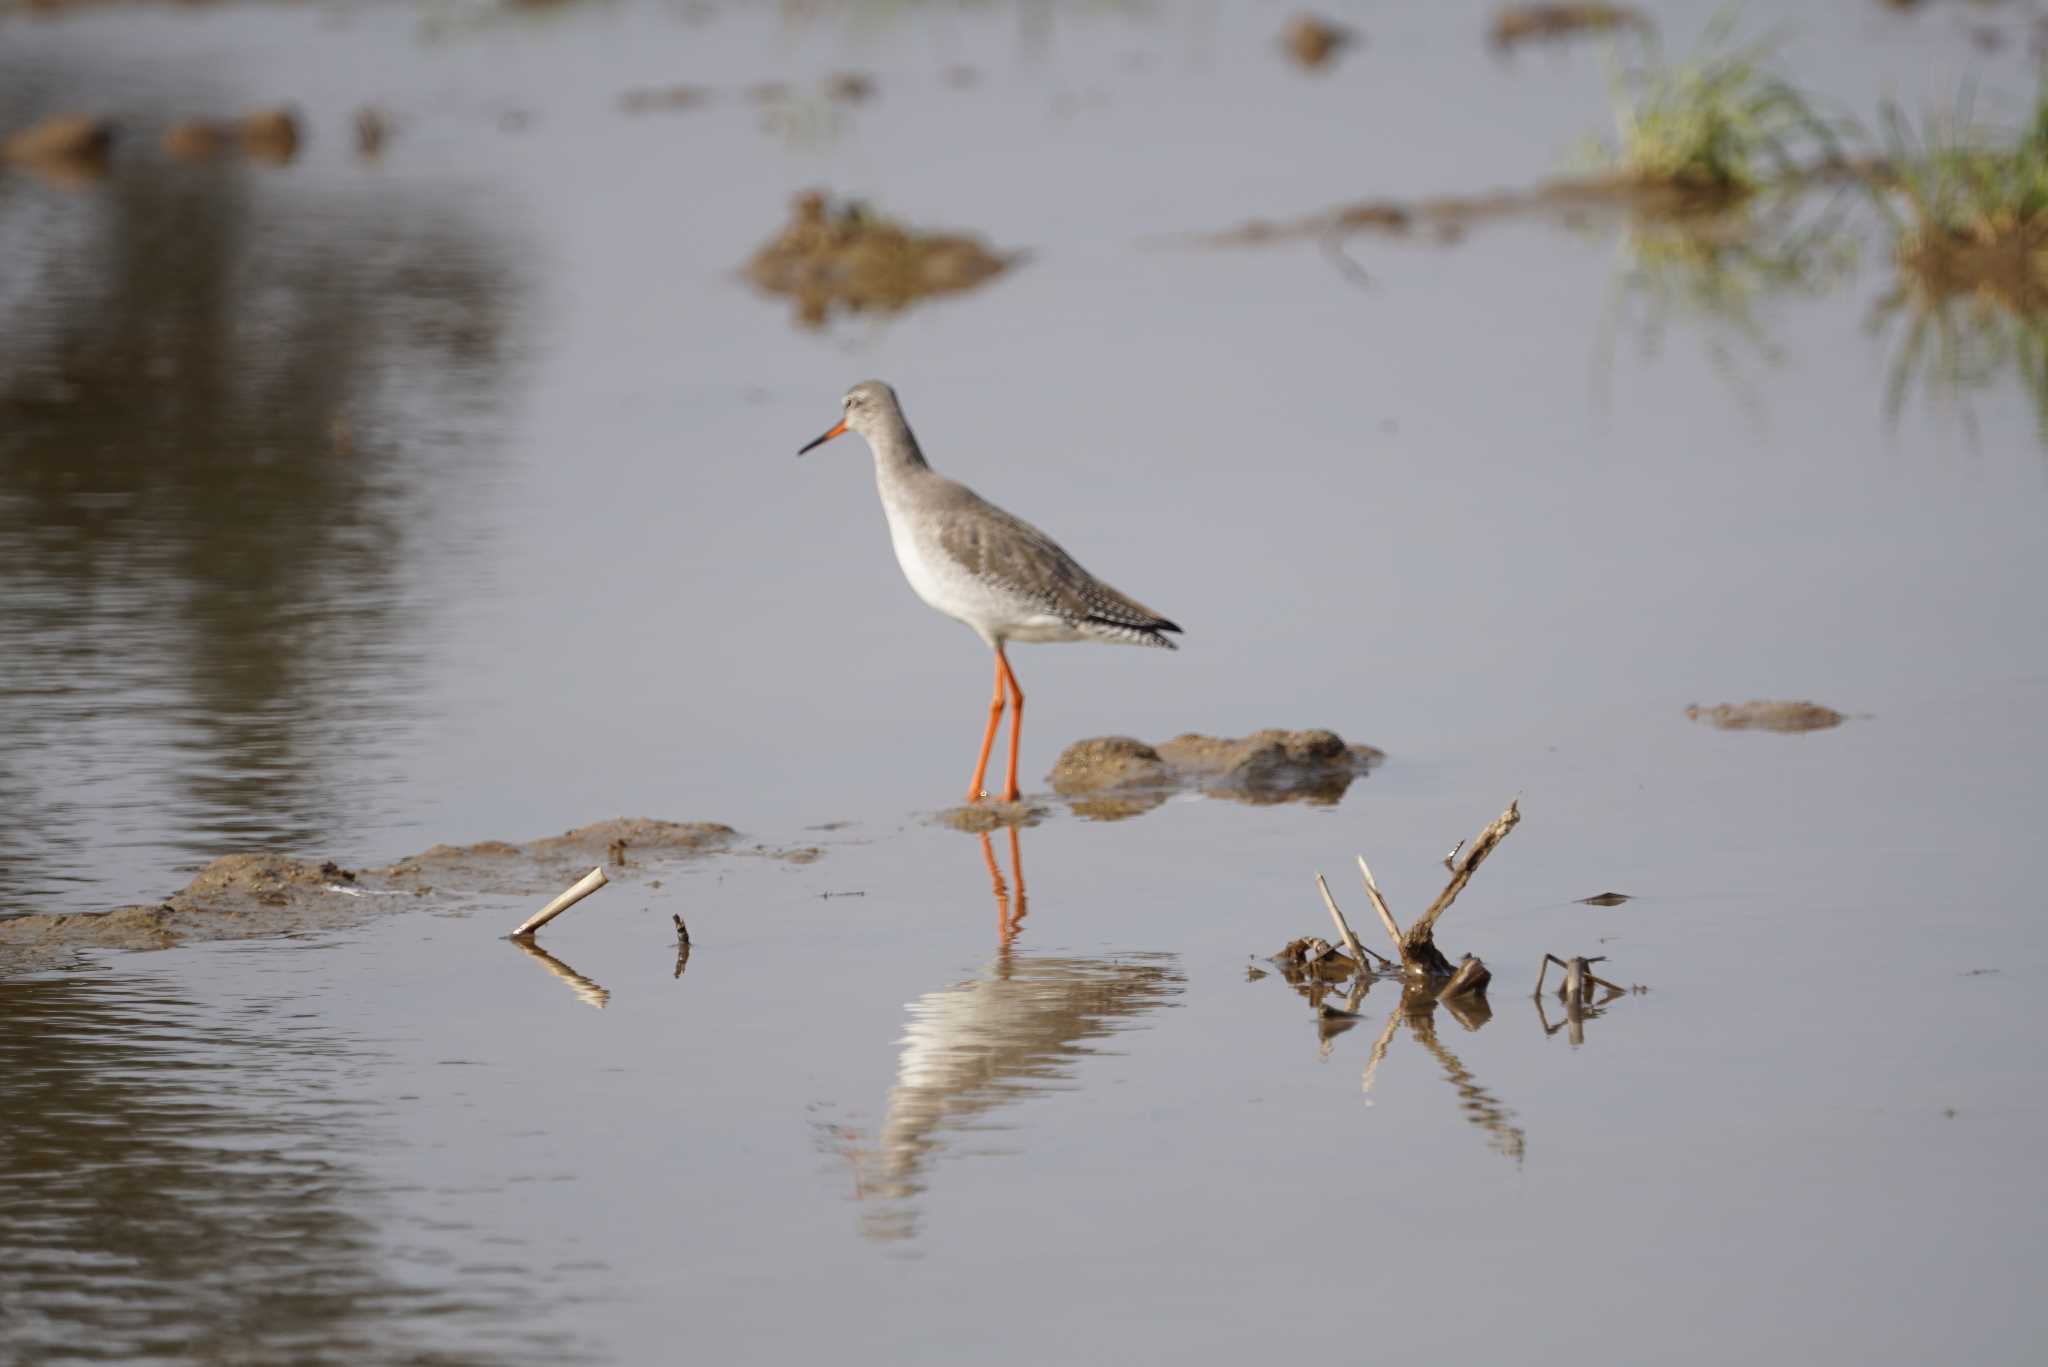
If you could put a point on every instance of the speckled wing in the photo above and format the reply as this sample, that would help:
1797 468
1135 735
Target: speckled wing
1015 557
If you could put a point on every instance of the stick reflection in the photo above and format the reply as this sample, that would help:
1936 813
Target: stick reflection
1417 1010
588 991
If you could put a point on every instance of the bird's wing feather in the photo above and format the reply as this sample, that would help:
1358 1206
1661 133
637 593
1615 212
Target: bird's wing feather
1014 555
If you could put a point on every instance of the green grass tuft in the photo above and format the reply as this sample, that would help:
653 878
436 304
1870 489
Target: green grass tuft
1722 124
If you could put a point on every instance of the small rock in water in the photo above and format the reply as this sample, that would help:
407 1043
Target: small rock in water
1605 899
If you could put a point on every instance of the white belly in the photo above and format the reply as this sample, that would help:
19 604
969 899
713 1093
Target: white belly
947 588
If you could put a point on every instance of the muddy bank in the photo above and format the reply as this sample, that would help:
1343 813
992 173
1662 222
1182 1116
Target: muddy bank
1108 778
242 896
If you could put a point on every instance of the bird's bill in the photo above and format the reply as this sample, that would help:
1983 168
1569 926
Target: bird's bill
814 445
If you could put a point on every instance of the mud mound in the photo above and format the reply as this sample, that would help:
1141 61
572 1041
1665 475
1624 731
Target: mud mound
979 818
1112 777
1767 716
847 257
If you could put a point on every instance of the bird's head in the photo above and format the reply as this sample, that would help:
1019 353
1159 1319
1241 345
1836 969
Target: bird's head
867 406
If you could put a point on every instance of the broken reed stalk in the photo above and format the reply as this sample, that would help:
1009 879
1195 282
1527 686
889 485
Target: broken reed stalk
1379 903
584 886
1358 951
1419 954
1481 846
1578 974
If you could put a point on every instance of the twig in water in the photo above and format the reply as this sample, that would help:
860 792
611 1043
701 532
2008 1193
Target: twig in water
1358 951
1379 903
584 886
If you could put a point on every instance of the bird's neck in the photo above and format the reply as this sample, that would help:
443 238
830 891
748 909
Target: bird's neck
897 456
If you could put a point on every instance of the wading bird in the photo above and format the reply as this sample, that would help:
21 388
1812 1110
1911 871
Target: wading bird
977 564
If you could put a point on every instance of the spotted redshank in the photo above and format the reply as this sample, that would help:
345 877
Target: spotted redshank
977 564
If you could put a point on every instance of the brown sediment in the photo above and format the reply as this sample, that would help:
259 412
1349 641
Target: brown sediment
846 257
270 135
1312 42
242 896
1762 715
2004 262
978 818
1111 777
64 147
1520 23
850 87
650 99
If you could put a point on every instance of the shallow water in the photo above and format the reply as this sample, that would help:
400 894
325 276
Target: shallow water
347 508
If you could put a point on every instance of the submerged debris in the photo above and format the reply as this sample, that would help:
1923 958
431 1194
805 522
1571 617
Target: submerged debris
650 99
848 257
1577 993
1520 23
1764 715
1313 42
372 131
1115 776
850 87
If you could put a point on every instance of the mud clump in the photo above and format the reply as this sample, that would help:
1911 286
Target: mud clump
268 879
1111 777
65 147
550 863
847 257
1273 766
1767 716
268 135
1089 766
1523 23
1312 42
979 818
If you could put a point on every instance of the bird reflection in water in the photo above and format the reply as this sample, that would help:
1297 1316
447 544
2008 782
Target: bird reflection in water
1021 1026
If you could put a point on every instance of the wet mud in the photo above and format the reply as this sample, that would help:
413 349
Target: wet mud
1763 715
242 896
845 258
1108 778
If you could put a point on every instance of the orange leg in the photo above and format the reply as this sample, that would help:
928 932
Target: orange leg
1016 720
988 739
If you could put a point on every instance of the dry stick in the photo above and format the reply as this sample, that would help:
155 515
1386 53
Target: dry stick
587 884
1379 903
1358 951
1482 845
